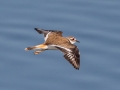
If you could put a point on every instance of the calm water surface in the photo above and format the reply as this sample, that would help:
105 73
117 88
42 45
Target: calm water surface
95 23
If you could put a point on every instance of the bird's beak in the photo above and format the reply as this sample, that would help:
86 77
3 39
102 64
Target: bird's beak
77 41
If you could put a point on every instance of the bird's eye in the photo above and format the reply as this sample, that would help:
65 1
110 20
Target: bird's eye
72 39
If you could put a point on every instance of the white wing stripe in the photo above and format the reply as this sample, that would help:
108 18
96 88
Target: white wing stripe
47 36
63 48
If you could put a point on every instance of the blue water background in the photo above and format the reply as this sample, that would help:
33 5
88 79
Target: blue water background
96 23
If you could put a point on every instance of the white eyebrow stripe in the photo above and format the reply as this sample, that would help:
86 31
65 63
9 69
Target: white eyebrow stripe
72 42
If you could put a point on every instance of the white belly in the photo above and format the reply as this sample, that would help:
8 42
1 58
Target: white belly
51 47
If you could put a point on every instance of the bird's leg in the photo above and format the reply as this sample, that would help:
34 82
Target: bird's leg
38 51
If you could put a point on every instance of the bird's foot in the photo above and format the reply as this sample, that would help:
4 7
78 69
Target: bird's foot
37 52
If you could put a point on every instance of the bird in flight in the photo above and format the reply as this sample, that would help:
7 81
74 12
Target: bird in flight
55 41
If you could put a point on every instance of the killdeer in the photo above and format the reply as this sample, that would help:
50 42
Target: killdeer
55 41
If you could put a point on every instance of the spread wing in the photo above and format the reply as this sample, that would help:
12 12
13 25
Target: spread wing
72 55
45 32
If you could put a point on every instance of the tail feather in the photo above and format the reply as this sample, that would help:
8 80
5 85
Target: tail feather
41 46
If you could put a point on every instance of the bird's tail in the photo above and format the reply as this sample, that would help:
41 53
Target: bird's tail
41 46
